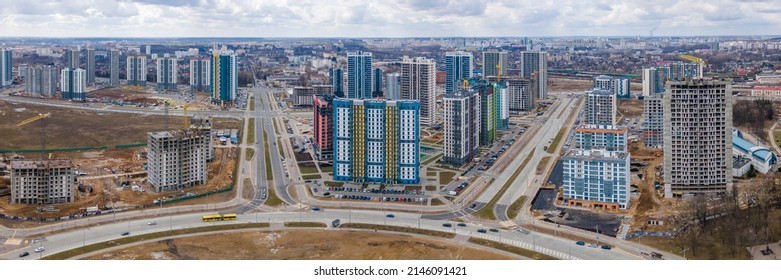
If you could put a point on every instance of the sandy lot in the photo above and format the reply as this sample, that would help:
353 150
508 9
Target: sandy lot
302 245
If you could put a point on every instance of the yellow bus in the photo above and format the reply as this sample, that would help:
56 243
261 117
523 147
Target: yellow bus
212 218
229 217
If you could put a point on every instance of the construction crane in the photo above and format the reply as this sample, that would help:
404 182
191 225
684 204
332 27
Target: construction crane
498 73
43 128
694 59
169 102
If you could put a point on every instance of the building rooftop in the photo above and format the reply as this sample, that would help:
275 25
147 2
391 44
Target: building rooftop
601 128
739 162
597 154
759 152
175 133
46 163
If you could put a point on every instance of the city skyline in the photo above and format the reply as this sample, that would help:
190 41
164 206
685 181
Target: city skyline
413 18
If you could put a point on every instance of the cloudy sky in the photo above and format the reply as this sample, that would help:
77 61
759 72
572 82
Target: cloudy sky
386 18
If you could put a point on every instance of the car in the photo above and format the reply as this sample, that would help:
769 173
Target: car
461 224
493 230
390 216
151 223
39 249
447 225
482 230
606 247
316 209
593 245
581 243
125 233
24 254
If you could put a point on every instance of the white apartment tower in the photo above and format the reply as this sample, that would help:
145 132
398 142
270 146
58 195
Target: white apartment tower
600 107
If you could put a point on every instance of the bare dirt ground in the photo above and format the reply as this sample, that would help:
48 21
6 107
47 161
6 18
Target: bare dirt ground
630 108
558 84
82 128
130 94
302 245
107 192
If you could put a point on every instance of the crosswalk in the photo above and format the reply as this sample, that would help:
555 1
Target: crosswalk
524 245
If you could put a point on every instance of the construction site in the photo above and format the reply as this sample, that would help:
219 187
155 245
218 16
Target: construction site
109 159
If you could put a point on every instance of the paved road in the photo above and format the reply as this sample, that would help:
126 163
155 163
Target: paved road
117 109
550 245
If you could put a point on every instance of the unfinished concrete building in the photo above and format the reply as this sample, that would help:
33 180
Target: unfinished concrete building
697 137
42 181
203 123
177 159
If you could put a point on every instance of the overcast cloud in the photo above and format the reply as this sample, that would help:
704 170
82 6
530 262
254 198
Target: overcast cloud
386 18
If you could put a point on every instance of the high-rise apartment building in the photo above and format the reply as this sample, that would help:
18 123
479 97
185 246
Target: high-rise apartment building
462 127
359 76
73 84
418 82
488 111
200 75
225 73
337 81
6 68
697 137
377 82
136 70
596 179
494 63
90 66
41 80
73 61
203 124
392 86
601 137
680 71
177 159
48 181
600 107
534 65
323 127
166 73
617 85
520 94
653 121
458 67
377 141
114 67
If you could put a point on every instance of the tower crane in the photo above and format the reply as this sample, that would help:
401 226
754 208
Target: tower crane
169 102
694 59
498 72
43 128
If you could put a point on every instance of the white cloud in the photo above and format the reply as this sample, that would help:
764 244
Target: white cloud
372 18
